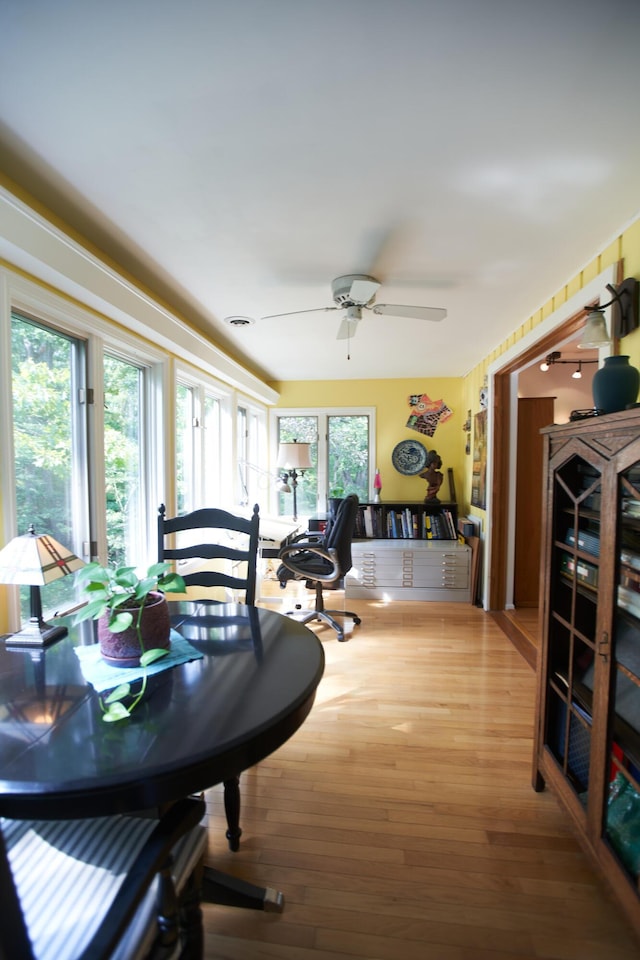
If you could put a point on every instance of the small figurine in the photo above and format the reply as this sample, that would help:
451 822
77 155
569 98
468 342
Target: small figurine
433 477
377 487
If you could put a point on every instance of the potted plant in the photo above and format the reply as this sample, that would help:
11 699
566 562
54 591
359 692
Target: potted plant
133 620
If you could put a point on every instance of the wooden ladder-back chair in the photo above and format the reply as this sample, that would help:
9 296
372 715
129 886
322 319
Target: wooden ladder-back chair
223 529
211 525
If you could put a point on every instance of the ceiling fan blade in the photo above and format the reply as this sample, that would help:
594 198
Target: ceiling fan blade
363 289
294 313
347 328
404 310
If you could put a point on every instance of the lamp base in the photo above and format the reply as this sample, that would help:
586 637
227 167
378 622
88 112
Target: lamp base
36 635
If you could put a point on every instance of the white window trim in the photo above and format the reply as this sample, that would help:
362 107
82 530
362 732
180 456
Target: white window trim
322 414
24 296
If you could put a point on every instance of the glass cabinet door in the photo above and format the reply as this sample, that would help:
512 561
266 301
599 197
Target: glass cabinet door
622 803
573 607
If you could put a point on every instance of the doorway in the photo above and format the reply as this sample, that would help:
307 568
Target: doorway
564 325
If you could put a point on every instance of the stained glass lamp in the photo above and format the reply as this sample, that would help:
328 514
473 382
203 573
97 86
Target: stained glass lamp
33 560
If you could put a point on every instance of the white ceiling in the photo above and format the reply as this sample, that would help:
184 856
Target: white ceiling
237 155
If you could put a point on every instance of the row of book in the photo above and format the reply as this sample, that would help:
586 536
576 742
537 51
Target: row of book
405 523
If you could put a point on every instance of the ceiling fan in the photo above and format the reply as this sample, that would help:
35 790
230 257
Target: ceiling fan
356 292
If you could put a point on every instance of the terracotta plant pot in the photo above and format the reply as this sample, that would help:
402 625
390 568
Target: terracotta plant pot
123 649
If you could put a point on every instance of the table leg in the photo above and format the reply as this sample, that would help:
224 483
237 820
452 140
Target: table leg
232 811
218 887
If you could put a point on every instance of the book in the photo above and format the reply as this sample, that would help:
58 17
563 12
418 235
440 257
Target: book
368 521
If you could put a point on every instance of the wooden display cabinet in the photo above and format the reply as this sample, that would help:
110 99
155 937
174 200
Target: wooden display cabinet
587 734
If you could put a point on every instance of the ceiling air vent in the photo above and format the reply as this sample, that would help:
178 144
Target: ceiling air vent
239 321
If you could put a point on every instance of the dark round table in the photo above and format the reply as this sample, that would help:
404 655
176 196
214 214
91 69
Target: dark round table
200 723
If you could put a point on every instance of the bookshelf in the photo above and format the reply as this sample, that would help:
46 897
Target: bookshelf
407 550
587 731
407 520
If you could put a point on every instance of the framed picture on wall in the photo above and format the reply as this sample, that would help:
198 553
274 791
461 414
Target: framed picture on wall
479 471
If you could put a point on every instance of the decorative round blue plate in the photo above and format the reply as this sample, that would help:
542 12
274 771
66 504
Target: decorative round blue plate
409 457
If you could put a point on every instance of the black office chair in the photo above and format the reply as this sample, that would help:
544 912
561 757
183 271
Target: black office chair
323 559
213 524
103 888
220 525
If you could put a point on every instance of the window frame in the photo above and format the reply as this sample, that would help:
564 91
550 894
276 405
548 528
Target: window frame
322 415
203 388
26 298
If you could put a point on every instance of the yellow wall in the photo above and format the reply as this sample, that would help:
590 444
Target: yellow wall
390 398
625 247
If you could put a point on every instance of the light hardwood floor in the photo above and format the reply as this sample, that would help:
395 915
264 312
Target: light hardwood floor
400 821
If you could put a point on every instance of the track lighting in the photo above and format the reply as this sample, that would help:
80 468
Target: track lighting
555 357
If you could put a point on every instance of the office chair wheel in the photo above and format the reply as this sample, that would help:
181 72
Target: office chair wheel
357 621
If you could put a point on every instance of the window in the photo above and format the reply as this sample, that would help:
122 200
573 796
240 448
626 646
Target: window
186 424
49 441
212 443
342 453
256 485
348 456
123 457
203 450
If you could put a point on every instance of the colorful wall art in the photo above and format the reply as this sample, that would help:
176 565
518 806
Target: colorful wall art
426 413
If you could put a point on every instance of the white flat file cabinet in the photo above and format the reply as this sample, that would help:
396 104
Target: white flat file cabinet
409 570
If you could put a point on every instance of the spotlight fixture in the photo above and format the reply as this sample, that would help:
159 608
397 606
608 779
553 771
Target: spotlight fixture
549 360
577 374
625 315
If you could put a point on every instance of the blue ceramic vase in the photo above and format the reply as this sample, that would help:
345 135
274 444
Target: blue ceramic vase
615 385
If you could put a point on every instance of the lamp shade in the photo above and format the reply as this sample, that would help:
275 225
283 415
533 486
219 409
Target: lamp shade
595 331
294 456
35 559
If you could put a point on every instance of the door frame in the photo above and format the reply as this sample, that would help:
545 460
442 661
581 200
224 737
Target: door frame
502 379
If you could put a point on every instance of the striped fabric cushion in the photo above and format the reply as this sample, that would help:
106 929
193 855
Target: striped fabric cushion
67 873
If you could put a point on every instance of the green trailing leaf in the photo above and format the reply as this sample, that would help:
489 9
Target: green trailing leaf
120 622
92 611
116 711
119 693
150 656
172 583
126 577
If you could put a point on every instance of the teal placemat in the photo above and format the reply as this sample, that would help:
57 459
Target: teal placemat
103 676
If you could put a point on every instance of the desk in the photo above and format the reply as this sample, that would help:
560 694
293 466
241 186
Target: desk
201 723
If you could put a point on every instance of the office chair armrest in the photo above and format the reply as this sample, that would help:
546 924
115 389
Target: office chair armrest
307 547
310 537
